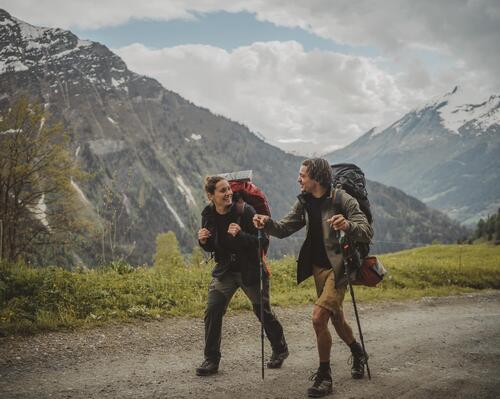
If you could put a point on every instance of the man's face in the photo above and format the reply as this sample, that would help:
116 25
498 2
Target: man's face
305 182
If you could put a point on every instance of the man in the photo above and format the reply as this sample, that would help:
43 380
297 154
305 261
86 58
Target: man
324 211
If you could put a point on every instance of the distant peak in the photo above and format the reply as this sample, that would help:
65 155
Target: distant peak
4 14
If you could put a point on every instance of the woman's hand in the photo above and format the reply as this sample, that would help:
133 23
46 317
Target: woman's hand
203 235
234 229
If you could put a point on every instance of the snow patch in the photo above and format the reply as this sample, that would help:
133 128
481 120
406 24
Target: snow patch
12 65
112 120
126 203
77 151
40 212
79 191
196 137
172 210
456 109
11 131
184 189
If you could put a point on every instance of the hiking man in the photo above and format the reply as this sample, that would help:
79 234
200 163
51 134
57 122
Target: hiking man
324 210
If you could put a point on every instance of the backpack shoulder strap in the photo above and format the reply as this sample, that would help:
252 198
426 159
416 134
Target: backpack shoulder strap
240 210
337 198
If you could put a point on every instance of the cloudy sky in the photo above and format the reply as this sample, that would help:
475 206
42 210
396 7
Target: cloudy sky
310 76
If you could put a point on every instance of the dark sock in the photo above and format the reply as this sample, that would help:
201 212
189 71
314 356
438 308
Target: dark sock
325 367
356 348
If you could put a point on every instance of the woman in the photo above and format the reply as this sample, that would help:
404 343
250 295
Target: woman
229 233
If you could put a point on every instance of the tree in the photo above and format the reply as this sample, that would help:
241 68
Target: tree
481 228
168 255
114 225
38 206
497 226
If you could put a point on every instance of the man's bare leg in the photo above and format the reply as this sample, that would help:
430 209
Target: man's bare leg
320 319
343 329
323 382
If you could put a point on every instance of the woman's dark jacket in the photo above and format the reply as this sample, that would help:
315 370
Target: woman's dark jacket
242 249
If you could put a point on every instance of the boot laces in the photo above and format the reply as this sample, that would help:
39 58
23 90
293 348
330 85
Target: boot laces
318 377
357 360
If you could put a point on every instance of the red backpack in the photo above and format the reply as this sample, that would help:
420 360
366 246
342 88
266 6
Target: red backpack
244 191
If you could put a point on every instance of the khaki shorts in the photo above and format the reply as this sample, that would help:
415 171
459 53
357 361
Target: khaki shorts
329 297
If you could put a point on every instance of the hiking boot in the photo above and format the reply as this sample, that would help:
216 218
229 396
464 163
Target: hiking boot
277 359
208 367
322 384
358 361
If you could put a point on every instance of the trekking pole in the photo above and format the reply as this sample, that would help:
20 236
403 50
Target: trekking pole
346 247
261 268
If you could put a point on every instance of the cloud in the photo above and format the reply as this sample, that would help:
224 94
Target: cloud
284 92
281 91
465 30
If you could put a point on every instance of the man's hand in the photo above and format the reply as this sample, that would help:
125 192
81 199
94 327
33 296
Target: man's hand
203 235
259 221
234 229
338 222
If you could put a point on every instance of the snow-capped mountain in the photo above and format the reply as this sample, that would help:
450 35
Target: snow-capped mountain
148 149
446 153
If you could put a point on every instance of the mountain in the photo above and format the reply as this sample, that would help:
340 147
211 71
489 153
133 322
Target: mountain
148 149
446 153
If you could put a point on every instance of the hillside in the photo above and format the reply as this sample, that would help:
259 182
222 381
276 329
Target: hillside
147 149
446 153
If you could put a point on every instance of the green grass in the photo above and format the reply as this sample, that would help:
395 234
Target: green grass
38 299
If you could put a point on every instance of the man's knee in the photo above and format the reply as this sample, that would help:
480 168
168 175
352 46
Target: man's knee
320 318
338 317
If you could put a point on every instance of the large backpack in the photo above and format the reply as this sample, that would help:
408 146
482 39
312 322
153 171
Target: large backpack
351 179
245 191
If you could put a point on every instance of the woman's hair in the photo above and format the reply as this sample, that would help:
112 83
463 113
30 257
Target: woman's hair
211 182
320 170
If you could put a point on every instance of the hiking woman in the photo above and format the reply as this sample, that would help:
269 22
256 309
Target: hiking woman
228 232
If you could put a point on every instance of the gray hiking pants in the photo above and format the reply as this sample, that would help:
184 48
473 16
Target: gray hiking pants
220 293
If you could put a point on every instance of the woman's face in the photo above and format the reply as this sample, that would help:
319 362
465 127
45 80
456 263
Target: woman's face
222 196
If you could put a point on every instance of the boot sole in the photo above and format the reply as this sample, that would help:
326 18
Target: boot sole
277 365
200 373
319 395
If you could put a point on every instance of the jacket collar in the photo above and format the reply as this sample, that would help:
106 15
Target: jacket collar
305 197
209 210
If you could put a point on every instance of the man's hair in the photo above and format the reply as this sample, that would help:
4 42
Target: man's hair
211 182
319 169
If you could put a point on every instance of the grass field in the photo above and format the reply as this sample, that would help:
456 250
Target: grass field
51 298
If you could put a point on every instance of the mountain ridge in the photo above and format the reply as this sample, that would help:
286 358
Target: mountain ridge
147 148
438 154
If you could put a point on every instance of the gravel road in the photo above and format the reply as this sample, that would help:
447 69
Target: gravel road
445 347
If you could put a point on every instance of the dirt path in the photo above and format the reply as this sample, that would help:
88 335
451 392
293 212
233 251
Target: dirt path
431 348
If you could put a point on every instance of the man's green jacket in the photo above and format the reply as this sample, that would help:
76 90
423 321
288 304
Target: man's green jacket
338 201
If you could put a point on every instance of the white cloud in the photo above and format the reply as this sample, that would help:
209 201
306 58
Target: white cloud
296 99
286 93
467 30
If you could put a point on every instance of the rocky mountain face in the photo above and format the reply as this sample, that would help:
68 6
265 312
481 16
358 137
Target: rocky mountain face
446 153
147 149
